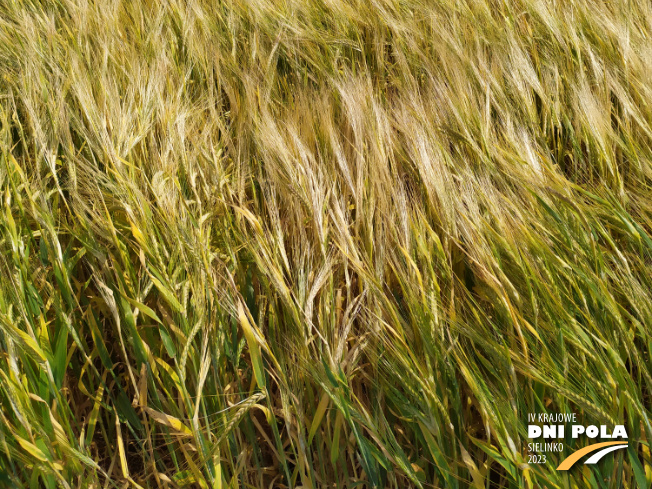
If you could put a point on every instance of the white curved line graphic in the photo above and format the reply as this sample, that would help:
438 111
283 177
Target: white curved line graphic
595 458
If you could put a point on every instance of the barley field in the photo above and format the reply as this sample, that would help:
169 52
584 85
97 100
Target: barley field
323 243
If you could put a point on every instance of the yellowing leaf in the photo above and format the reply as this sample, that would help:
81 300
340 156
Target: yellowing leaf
121 449
32 449
254 347
170 421
319 415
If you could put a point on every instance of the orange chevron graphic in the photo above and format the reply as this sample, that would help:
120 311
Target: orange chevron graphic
575 456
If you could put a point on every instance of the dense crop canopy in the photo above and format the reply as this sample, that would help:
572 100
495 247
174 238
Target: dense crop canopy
322 243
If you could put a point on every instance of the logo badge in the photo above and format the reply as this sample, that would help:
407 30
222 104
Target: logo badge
601 448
